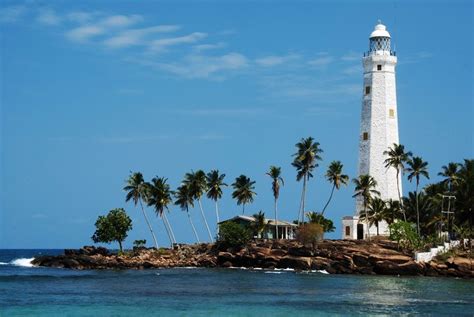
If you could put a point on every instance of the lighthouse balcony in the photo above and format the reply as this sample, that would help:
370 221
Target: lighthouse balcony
380 52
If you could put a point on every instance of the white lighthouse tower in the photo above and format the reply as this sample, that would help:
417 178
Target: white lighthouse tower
378 127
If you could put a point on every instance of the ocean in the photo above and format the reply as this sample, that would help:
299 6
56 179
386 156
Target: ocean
34 291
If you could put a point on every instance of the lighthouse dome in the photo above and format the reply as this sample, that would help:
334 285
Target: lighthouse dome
380 31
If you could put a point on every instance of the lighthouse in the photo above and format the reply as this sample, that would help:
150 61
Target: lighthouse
378 127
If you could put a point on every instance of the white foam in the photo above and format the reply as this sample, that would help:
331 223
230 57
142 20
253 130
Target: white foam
320 271
4 263
22 262
274 272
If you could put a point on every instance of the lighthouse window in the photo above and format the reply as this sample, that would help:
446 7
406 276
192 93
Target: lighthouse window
367 90
365 136
348 231
379 67
391 113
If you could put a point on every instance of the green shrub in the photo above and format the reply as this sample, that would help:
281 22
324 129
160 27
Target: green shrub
405 234
233 235
139 243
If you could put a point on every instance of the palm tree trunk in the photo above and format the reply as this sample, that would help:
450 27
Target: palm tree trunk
205 221
149 225
243 209
167 230
120 246
276 220
377 224
330 197
400 196
217 218
303 203
169 227
192 225
417 210
367 219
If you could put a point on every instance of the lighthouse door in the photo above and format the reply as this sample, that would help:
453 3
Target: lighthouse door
360 231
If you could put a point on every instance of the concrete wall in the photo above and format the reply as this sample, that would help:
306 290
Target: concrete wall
428 256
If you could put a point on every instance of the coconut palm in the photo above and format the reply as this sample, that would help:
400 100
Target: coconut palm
397 157
136 191
392 212
159 195
243 191
306 160
277 180
326 224
376 212
215 182
365 187
184 199
334 175
450 173
260 224
417 168
198 186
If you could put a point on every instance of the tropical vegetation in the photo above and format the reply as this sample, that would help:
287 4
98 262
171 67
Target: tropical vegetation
112 227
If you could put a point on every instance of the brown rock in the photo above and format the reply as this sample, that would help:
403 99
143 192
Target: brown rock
299 263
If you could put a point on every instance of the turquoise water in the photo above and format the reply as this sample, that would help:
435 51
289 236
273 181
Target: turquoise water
219 292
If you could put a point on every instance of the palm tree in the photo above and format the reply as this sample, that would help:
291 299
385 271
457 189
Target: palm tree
391 212
306 158
326 224
396 158
416 168
365 187
159 196
198 186
450 173
215 182
275 174
260 224
334 175
184 199
376 212
243 191
136 191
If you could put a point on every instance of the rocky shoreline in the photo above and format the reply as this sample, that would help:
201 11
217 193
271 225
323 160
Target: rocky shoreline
333 256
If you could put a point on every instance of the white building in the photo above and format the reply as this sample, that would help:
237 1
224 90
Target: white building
378 127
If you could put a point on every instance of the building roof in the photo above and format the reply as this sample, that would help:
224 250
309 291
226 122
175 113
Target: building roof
380 31
270 222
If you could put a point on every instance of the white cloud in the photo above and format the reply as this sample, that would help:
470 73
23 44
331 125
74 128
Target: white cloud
162 44
81 16
118 21
321 61
12 14
351 56
84 33
199 66
207 47
274 60
137 36
354 69
48 17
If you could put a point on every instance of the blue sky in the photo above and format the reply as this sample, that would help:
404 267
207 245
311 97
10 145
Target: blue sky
93 90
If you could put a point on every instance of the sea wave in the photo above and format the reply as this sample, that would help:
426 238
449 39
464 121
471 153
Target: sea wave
24 262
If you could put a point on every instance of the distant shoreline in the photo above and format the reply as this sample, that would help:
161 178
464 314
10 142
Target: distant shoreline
331 256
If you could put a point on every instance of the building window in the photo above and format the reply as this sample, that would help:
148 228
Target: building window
379 67
367 90
348 231
365 136
391 113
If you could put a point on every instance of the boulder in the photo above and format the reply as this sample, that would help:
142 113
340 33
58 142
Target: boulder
298 263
